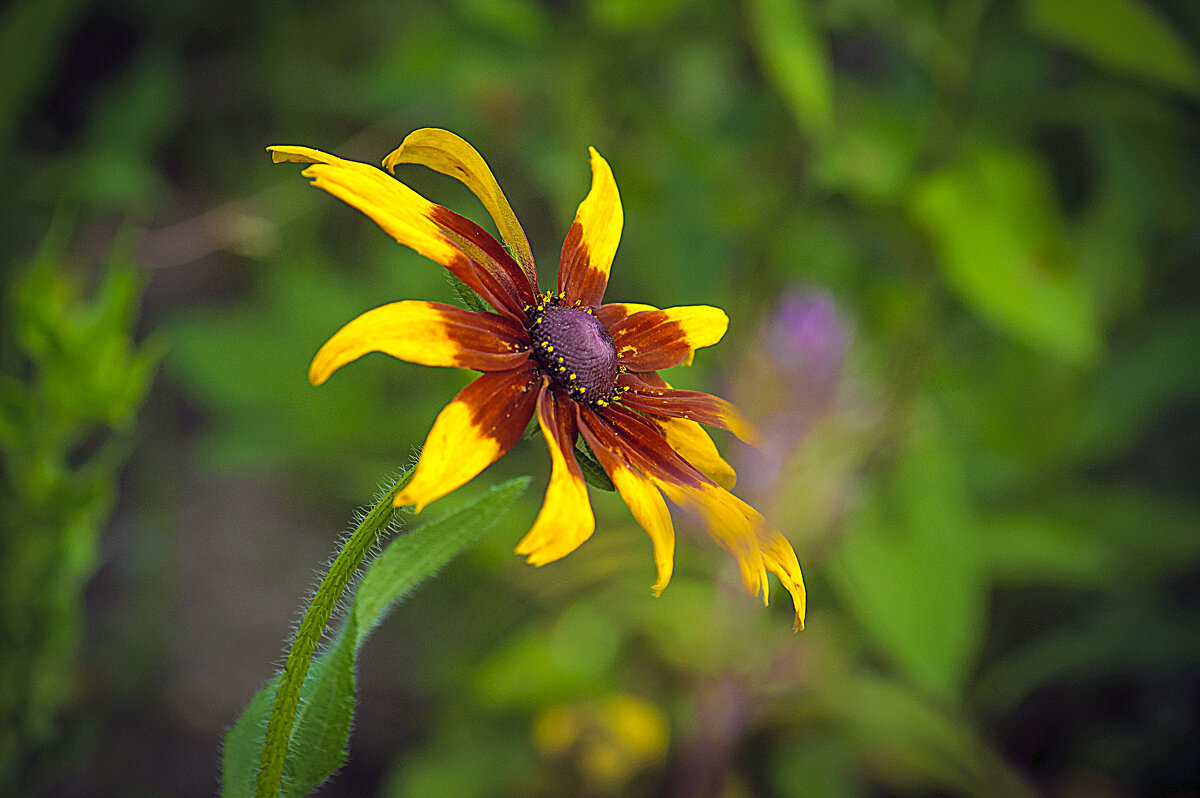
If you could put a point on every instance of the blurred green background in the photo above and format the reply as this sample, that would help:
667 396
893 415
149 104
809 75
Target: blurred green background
958 242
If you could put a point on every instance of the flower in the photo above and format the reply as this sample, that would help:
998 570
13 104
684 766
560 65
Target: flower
587 368
806 339
607 741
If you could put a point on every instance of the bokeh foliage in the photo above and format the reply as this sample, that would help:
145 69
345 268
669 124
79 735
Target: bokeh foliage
995 505
71 384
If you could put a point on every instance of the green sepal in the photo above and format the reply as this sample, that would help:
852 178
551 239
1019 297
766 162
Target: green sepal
466 294
533 431
593 472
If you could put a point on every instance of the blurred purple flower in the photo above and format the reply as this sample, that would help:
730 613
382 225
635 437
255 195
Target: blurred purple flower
807 341
805 338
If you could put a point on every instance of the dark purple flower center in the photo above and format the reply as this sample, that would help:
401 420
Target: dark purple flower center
577 351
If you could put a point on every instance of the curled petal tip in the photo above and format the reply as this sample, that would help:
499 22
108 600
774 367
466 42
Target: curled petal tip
404 499
747 432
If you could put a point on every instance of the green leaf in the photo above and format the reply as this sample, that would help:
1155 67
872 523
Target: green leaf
423 552
243 743
322 731
322 728
321 735
1125 35
998 237
794 56
912 572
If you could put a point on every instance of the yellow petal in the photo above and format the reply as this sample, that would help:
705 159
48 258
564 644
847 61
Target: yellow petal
657 339
778 557
400 211
565 520
646 504
591 243
451 155
404 215
649 394
644 500
472 432
283 153
611 313
694 445
781 560
478 244
702 325
730 526
427 333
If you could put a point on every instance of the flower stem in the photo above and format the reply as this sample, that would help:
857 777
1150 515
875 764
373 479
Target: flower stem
308 635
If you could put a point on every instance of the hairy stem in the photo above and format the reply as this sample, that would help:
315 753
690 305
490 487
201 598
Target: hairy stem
308 636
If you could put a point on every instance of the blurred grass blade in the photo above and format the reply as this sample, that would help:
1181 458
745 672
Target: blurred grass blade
794 57
321 733
912 571
1142 382
1029 548
1126 35
1117 641
998 236
30 34
1096 538
929 748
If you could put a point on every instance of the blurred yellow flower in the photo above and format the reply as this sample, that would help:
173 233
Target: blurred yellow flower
608 741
